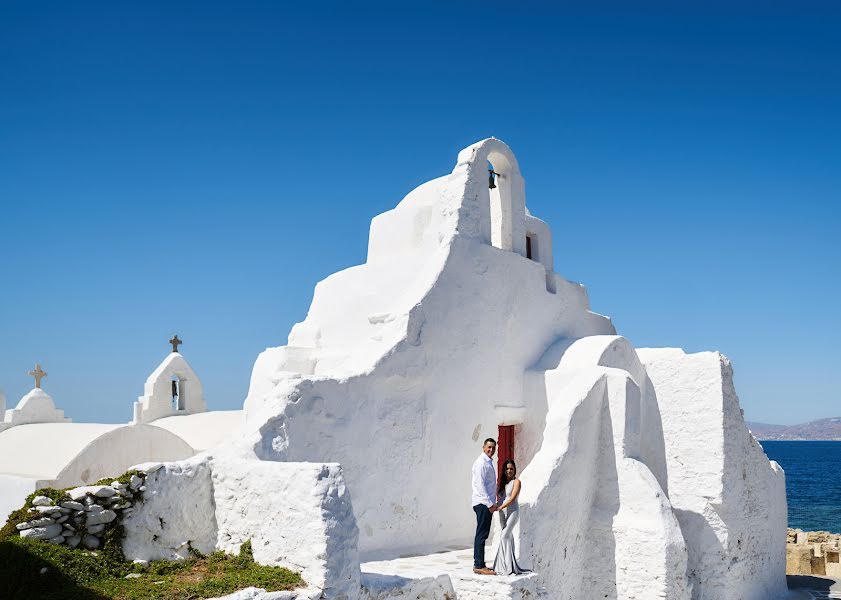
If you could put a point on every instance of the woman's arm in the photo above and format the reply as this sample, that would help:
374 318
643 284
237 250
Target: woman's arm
515 491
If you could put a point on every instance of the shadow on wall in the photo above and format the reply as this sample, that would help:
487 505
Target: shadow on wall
696 527
652 442
553 525
750 493
20 572
600 545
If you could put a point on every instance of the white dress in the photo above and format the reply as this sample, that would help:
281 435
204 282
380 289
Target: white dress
506 562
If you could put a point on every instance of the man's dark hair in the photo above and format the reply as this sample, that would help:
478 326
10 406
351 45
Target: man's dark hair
491 440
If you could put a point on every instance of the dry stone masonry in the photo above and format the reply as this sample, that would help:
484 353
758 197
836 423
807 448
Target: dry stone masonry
82 518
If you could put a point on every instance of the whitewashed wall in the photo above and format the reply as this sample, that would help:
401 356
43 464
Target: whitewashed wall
296 515
729 499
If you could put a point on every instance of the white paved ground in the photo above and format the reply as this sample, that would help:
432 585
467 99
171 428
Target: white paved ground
458 566
435 576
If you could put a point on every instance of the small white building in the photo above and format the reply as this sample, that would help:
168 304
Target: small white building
40 447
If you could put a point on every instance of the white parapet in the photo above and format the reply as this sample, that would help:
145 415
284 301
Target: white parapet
296 515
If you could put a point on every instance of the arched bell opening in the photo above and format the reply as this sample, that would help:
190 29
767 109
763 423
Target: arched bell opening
501 207
178 396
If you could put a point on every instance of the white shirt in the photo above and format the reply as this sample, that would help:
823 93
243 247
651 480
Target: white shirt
484 481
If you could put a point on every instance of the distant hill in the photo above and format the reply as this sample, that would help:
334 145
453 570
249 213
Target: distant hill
822 429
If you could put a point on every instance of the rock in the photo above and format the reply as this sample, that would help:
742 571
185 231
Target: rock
104 491
141 562
59 539
105 516
43 570
133 575
69 527
62 519
142 488
73 541
78 493
135 482
48 510
118 485
100 491
91 542
42 533
96 528
65 511
41 501
41 522
122 506
94 508
73 505
149 467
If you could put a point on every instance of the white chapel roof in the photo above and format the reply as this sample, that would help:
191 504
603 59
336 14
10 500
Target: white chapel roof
202 430
43 449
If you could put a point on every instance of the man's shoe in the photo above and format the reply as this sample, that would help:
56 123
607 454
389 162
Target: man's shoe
483 571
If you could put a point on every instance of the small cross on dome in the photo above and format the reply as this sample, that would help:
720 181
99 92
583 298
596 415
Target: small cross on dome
38 374
175 343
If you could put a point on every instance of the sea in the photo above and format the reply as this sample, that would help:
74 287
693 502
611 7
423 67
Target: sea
813 482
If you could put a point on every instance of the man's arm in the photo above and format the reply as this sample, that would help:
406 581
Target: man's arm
489 485
478 481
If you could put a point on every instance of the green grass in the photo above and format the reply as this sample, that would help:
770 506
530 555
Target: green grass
79 574
124 478
83 575
22 514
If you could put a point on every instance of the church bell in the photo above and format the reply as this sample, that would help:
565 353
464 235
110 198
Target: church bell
491 182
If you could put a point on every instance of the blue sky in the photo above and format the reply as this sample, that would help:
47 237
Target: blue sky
198 166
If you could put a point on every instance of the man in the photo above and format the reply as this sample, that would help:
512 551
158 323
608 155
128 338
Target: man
484 503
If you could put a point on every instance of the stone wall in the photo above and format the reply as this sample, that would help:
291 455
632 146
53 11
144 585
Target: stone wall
84 514
813 553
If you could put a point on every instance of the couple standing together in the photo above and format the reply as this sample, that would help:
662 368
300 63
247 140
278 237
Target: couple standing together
488 498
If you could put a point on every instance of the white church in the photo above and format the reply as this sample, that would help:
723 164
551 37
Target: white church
41 447
352 465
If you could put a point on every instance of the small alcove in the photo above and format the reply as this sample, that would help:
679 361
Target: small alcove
532 247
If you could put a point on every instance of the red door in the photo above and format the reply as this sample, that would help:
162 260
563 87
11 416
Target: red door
504 446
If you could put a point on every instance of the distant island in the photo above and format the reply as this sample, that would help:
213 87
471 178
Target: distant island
822 429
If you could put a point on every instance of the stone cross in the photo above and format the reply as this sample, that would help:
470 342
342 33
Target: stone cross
175 343
38 374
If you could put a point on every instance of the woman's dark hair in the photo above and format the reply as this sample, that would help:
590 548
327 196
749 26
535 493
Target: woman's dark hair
503 476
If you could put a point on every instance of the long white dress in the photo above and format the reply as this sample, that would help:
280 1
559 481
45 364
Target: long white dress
506 561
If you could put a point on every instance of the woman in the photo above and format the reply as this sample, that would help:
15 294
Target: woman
509 516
